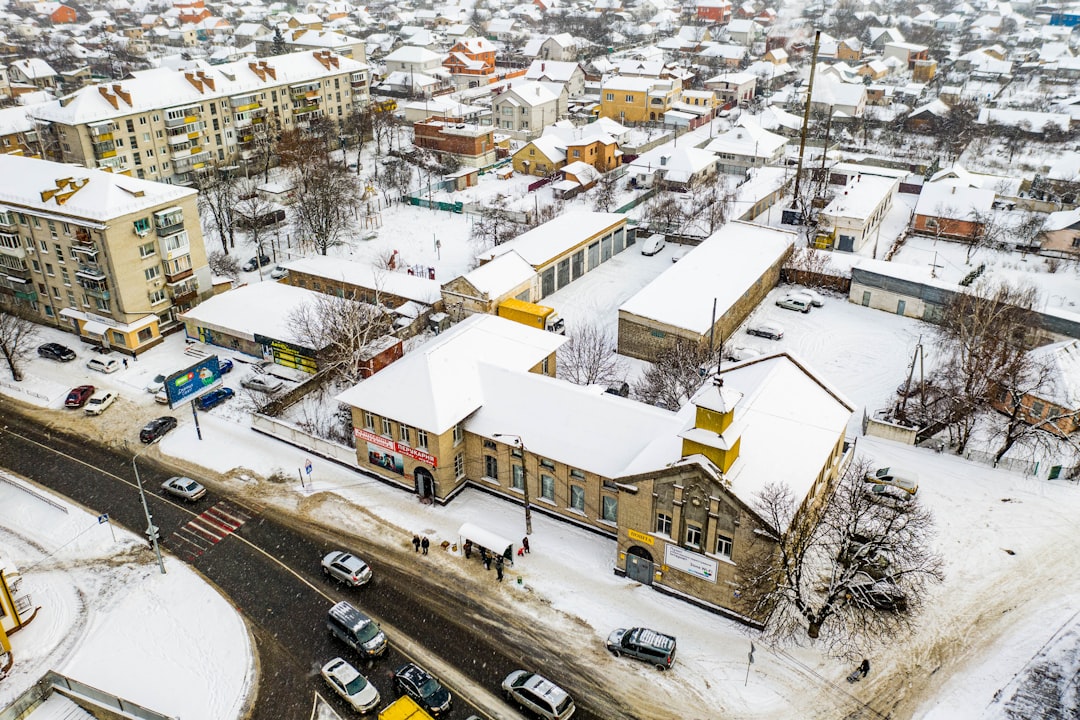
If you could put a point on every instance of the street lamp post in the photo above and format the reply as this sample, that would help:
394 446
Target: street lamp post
151 531
524 479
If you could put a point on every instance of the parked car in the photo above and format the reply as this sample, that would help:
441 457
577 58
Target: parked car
278 272
157 428
156 385
416 682
888 494
161 398
877 594
103 364
78 396
225 366
346 567
653 647
184 488
769 330
356 630
906 480
262 383
738 353
679 253
816 298
351 685
538 695
212 399
99 402
56 351
798 302
864 553
254 263
653 244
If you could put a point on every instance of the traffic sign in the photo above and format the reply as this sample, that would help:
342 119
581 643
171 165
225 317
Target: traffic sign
104 518
307 466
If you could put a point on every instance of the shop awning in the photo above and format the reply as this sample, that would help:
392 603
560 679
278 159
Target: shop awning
487 539
93 327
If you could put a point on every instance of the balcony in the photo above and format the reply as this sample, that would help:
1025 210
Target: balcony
27 295
92 273
98 292
15 252
7 220
102 131
104 150
87 252
246 108
192 162
171 123
82 236
178 276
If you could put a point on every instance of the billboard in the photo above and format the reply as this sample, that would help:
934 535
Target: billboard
193 382
691 563
384 459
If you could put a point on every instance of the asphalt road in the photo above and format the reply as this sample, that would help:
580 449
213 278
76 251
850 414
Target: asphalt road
269 568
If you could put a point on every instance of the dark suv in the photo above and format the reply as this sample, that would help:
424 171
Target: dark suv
417 683
256 262
214 398
156 428
644 644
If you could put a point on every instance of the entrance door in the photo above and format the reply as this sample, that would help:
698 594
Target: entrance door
900 306
425 483
639 565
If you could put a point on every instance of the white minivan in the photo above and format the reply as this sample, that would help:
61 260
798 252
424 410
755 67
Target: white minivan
104 365
653 244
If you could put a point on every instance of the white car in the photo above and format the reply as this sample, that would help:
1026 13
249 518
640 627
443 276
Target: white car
796 301
278 272
262 383
653 244
816 298
739 353
99 402
350 685
184 488
156 385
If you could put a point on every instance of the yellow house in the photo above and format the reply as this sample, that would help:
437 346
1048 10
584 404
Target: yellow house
638 99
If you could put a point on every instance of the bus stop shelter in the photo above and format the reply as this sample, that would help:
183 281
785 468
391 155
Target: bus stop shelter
482 537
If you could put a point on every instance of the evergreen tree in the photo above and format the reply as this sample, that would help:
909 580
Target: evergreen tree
278 48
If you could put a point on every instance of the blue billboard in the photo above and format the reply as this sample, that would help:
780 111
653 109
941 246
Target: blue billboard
194 381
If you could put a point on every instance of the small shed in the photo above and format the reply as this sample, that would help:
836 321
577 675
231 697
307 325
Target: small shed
486 539
378 354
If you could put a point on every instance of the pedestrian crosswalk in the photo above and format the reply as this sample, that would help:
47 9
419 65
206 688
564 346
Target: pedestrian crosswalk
206 530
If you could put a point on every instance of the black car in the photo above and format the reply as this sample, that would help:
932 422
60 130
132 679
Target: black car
56 351
156 428
214 398
255 262
417 683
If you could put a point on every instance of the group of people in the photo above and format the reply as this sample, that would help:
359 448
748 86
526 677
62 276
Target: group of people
418 543
486 556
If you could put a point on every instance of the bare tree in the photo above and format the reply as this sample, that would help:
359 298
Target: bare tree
604 192
18 333
851 570
339 329
982 341
222 264
358 125
589 358
326 203
709 206
1032 376
809 266
676 374
395 180
495 225
251 212
217 198
987 230
663 214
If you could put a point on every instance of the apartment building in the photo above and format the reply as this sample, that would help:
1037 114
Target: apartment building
107 256
166 125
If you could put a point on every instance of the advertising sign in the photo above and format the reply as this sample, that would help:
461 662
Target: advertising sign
406 450
386 460
640 537
193 382
691 563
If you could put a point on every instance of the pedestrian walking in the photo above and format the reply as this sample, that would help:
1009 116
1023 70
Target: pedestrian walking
486 558
864 667
424 544
499 568
468 549
416 542
525 544
125 363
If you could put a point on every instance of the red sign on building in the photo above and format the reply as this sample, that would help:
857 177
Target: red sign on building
385 442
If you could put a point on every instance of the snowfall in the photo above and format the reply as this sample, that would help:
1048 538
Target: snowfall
1004 620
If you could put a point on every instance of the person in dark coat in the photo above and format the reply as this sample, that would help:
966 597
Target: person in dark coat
486 557
525 544
864 667
424 544
416 542
499 568
468 549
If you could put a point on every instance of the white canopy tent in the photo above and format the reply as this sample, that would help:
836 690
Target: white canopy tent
494 542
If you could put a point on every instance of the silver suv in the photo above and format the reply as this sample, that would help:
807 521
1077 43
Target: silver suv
538 695
653 647
347 568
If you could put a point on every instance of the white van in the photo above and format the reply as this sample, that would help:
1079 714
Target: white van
104 365
652 245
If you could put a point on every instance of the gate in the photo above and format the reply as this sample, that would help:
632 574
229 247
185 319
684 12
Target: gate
639 568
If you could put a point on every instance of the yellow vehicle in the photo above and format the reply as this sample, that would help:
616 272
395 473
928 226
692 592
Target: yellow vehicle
540 317
404 708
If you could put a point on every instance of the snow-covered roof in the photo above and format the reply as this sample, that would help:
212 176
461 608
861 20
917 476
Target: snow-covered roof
551 70
749 140
555 237
783 399
100 196
1061 219
724 266
953 200
411 287
439 384
1035 121
1063 361
500 275
263 308
413 54
861 196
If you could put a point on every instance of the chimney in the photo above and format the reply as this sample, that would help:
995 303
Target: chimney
257 69
953 189
122 94
206 79
196 82
268 69
108 96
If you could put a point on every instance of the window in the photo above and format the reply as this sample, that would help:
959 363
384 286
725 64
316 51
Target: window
491 467
459 466
577 498
403 431
489 444
421 439
49 270
545 366
609 97
157 296
458 434
547 487
545 463
59 253
146 250
142 226
369 420
387 428
145 334
152 272
610 509
64 274
1037 408
629 98
131 126
663 524
723 546
693 535
517 477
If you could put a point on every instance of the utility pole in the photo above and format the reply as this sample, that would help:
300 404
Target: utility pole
524 479
806 119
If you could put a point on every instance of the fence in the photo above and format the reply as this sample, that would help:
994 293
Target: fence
37 495
24 390
287 432
1027 467
81 694
454 207
638 200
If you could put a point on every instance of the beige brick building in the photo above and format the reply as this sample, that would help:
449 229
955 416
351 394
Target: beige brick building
166 124
478 407
110 257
